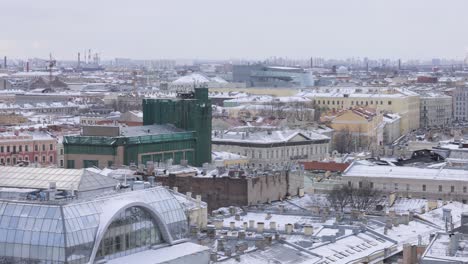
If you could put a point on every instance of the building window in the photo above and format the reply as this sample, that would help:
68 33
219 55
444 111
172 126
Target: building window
61 151
464 189
1 161
26 148
8 161
36 148
8 149
51 159
371 185
35 159
384 186
61 163
360 184
109 163
424 187
452 188
70 164
43 147
133 230
440 188
43 159
389 102
407 187
90 163
14 149
51 147
1 149
396 186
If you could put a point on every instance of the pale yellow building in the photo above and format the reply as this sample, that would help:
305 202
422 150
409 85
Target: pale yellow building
364 128
384 99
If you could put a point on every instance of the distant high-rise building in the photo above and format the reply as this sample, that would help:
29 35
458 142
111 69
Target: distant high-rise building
436 62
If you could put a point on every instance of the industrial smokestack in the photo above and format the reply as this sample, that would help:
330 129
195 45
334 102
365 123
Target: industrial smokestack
5 62
79 59
27 66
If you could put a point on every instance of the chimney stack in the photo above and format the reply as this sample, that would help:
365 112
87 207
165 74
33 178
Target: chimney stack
5 62
79 59
27 66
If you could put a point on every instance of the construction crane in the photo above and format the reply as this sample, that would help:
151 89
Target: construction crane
50 65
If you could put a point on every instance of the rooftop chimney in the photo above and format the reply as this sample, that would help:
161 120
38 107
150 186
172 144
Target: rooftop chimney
52 190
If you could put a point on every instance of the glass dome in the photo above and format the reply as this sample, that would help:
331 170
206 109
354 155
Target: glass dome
80 231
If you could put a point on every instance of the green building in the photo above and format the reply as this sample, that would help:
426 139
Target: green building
173 128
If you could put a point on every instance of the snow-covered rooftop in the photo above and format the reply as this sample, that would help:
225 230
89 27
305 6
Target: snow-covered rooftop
358 92
378 171
266 137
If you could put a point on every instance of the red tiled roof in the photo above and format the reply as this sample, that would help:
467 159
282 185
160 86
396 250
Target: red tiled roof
326 166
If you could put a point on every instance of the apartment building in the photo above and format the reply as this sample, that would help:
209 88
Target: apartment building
28 146
384 99
364 126
414 182
436 110
273 147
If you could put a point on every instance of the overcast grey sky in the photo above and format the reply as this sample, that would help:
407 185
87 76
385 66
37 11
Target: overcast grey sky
220 29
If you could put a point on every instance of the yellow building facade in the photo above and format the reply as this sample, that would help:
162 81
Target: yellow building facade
391 100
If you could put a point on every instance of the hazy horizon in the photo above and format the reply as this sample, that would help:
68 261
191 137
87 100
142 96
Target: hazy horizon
210 29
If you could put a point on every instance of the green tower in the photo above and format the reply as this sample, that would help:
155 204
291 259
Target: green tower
189 111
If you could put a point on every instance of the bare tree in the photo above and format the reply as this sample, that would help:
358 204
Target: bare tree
365 197
343 140
340 197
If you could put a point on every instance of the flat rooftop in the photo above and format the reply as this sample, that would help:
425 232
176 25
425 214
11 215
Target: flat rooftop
180 253
378 171
265 137
440 249
137 131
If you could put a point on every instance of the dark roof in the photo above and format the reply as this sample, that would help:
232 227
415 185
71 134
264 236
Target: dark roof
326 166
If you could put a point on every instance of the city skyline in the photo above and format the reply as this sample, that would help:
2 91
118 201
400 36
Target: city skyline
242 30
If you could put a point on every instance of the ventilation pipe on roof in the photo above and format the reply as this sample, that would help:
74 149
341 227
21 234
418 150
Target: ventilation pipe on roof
151 180
52 190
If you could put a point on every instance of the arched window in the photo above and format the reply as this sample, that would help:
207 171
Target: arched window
132 231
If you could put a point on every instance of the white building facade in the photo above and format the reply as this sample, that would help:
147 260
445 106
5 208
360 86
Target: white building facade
273 148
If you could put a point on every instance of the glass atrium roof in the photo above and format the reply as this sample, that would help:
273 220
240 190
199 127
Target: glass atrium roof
71 233
65 179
